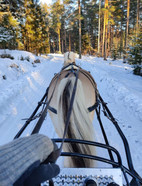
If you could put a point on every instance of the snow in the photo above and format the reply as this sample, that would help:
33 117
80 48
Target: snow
24 87
5 35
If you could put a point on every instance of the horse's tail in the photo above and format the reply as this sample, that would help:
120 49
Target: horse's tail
80 126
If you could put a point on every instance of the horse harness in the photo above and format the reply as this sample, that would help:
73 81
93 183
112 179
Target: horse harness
72 68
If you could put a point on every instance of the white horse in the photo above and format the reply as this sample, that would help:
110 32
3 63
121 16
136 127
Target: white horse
80 125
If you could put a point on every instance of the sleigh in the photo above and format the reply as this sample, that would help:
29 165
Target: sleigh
115 173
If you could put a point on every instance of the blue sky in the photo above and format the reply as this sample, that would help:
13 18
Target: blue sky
46 1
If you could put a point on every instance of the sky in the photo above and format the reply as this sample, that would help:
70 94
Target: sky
46 1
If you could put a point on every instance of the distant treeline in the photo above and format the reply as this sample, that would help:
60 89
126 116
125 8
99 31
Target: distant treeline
96 27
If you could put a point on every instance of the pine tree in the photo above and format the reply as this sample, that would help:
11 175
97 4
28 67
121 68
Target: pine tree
71 26
115 18
45 46
135 55
35 32
9 31
56 14
29 25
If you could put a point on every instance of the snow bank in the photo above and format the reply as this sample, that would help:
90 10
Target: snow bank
118 81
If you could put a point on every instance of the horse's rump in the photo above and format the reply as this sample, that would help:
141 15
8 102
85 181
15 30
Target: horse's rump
80 126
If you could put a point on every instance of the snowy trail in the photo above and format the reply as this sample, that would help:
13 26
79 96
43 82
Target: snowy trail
116 84
21 98
124 98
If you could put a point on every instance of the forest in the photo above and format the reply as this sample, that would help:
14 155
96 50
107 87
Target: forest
103 28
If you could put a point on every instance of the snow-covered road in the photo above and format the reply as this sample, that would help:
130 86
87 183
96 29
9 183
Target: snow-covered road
25 86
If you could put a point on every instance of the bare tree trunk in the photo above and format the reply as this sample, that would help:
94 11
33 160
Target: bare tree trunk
138 17
62 46
79 12
49 42
59 39
69 41
65 41
109 39
127 27
121 32
53 46
109 35
104 48
104 30
99 28
101 41
112 38
121 40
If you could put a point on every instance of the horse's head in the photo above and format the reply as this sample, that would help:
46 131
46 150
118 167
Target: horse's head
69 57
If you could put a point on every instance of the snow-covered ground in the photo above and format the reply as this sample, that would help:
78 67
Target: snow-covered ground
22 87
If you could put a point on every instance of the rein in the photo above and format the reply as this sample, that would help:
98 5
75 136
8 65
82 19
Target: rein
55 154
